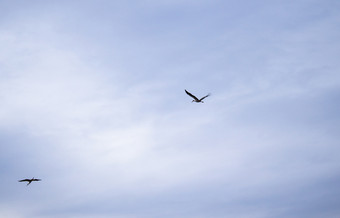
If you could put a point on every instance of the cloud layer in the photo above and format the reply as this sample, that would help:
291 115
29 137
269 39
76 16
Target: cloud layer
93 103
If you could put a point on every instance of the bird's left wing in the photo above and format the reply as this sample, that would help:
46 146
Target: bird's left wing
191 95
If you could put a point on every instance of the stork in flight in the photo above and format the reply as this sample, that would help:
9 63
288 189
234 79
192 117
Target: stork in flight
195 98
29 180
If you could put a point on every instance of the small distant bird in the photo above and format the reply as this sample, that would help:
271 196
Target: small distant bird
29 180
195 98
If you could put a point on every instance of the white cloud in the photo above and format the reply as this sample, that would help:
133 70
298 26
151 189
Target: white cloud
100 113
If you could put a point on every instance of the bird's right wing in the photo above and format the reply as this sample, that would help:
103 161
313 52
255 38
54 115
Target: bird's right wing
191 95
205 97
23 180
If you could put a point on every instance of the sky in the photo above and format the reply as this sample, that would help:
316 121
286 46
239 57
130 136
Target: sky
93 103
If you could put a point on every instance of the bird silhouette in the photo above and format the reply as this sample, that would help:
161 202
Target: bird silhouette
195 98
29 180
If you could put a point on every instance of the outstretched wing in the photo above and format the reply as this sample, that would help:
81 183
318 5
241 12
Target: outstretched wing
191 95
36 179
24 180
205 97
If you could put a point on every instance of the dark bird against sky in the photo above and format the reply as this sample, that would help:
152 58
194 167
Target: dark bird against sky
195 98
29 180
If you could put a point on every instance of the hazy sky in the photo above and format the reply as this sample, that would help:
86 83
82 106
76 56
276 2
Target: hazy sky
93 103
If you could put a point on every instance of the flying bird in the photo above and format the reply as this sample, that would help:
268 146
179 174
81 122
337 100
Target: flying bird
29 180
195 98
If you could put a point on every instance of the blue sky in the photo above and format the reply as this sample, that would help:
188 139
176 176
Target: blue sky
93 103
